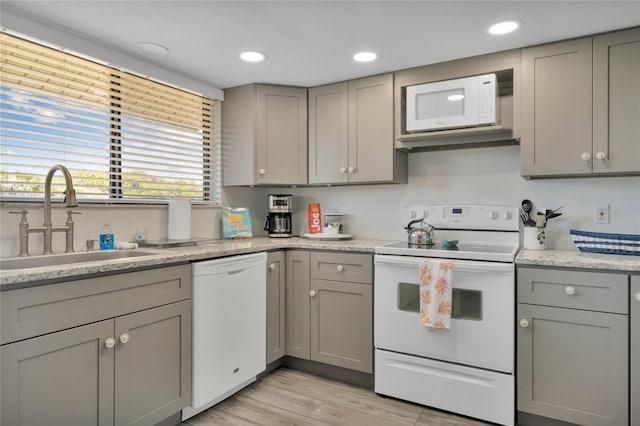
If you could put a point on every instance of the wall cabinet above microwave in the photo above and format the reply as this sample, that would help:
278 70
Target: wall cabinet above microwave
264 135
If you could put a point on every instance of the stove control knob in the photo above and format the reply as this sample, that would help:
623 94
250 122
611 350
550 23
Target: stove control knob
506 215
492 215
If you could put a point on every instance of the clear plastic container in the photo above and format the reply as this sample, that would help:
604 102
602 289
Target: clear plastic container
333 223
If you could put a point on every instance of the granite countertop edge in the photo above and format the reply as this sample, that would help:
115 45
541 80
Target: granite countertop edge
11 279
579 260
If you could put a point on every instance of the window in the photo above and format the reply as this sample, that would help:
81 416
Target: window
123 137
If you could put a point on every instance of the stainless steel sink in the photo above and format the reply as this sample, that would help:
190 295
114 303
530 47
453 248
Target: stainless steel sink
69 258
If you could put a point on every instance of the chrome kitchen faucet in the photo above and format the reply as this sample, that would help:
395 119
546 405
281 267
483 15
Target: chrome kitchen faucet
47 228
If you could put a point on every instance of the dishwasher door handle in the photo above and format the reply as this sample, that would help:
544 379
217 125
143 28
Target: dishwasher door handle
236 272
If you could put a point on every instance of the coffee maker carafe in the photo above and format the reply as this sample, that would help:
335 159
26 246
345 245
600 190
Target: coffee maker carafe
278 221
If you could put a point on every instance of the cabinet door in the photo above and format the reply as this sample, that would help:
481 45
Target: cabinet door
635 350
573 365
342 324
616 102
275 306
329 133
281 135
371 144
153 364
556 137
297 304
63 378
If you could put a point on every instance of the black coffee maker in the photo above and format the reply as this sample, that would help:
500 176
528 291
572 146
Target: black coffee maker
278 221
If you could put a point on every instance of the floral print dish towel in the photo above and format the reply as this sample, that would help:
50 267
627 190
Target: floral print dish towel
435 293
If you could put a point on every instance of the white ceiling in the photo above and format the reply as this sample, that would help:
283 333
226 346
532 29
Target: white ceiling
309 43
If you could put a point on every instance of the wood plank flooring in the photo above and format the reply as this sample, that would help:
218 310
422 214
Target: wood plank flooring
292 397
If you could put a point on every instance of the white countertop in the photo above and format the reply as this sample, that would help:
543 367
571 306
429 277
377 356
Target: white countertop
13 278
577 259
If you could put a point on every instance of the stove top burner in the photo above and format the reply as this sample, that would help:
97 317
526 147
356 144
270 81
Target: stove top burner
500 253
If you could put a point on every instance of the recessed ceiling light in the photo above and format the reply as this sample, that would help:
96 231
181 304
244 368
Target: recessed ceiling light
504 27
365 56
252 56
154 48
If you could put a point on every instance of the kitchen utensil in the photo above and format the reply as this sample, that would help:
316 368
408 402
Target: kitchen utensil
422 236
527 206
541 220
524 216
552 215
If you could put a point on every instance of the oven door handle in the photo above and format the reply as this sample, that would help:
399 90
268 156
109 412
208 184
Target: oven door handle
458 265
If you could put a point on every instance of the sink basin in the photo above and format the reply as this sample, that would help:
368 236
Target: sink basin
69 258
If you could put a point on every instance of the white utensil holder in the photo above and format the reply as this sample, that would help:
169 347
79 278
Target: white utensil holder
535 238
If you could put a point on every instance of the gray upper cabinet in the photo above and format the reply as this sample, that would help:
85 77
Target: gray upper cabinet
264 135
275 305
556 104
580 106
573 347
351 133
635 350
114 350
616 106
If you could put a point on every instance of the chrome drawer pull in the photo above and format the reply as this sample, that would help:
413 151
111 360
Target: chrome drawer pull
339 268
524 323
124 338
569 290
110 342
638 297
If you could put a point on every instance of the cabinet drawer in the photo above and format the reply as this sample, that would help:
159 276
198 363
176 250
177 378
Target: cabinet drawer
592 291
354 268
40 310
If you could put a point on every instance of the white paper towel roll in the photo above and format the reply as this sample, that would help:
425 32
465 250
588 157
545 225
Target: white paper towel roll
179 220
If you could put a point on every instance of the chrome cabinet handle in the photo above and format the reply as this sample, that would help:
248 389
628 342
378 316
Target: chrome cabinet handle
601 155
124 338
586 156
637 297
569 290
272 267
343 169
352 169
262 172
524 323
339 268
110 342
312 293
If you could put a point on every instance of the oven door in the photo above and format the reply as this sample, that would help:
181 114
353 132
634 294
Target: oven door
482 330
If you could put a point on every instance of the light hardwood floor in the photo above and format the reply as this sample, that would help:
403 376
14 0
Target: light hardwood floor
292 397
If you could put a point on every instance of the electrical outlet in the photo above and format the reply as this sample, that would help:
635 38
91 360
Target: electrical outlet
601 213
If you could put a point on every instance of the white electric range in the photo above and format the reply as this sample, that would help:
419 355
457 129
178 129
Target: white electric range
468 369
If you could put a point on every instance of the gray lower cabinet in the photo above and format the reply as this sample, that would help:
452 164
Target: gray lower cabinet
275 306
329 308
133 368
635 350
573 352
297 304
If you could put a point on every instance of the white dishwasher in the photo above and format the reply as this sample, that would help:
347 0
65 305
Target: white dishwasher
229 327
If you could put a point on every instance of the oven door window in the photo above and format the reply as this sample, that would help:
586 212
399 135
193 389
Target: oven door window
466 304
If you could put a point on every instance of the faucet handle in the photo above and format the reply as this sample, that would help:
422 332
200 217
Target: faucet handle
69 213
23 218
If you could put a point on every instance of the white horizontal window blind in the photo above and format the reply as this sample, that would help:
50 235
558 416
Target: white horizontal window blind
123 137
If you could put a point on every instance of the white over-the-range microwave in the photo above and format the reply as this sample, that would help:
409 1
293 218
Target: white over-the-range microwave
451 104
